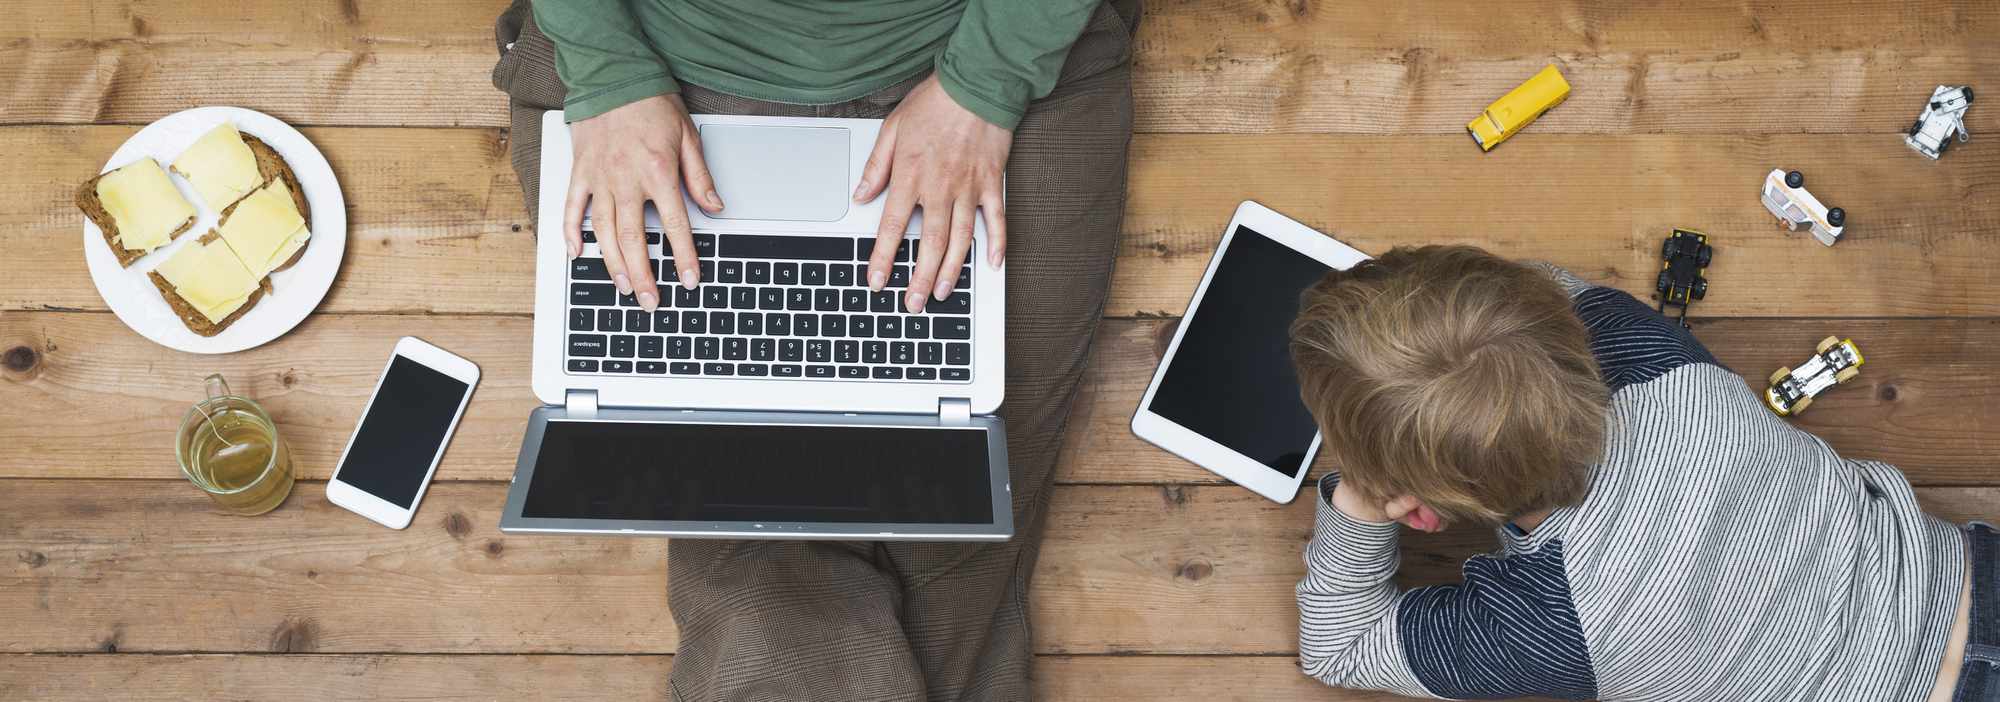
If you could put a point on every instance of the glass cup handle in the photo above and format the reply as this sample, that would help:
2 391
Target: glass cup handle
217 387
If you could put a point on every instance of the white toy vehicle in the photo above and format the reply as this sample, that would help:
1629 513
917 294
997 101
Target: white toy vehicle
1943 118
1786 197
1792 390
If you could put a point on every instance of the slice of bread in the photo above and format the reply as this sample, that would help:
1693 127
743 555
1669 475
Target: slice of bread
271 165
197 322
87 200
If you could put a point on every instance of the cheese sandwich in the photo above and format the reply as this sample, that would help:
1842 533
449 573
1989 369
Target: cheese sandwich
208 286
136 207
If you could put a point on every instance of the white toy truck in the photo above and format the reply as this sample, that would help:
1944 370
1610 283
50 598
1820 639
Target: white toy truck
1786 197
1942 119
1791 390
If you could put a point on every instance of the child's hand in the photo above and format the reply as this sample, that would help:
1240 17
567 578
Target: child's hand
1408 510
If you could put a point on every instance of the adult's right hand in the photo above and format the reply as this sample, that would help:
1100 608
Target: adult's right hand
637 152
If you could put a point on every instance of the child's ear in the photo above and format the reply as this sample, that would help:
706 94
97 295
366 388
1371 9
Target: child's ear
1423 518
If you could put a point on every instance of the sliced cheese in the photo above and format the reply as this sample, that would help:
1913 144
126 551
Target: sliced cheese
265 229
220 166
210 278
144 203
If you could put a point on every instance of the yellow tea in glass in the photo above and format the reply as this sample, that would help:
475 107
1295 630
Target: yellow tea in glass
229 447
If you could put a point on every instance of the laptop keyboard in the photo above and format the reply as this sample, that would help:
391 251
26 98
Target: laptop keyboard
770 306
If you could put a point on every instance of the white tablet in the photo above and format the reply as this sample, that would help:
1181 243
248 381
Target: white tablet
1225 396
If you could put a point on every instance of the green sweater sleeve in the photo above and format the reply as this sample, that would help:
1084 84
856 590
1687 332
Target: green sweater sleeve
604 58
1008 52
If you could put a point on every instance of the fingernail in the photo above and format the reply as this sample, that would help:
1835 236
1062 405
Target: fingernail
624 286
877 279
915 301
859 189
648 300
689 277
714 200
995 257
943 289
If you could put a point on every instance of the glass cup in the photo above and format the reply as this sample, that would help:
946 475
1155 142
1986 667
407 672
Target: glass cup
229 447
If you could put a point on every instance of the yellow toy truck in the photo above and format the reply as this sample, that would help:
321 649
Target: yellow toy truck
1837 361
1518 107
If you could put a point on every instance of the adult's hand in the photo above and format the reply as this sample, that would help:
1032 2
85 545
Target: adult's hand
638 152
934 154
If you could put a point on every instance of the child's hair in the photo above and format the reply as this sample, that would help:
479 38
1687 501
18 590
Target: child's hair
1454 376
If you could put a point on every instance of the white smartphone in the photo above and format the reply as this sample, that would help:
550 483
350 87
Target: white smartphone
1224 396
388 463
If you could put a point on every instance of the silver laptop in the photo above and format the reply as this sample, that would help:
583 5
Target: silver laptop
780 399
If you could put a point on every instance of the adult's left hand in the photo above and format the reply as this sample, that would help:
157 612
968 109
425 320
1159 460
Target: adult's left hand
941 157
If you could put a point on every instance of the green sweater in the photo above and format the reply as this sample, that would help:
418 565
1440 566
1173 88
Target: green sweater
991 56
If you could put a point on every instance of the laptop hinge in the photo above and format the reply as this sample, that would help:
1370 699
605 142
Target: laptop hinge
954 411
581 404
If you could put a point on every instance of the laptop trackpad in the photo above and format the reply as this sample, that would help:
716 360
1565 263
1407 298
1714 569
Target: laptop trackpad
783 173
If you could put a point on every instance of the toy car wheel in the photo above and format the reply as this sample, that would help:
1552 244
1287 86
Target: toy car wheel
1968 94
1846 374
1795 179
1800 406
1828 343
1702 257
1664 285
1700 289
1667 247
1914 128
1944 145
1838 217
1780 374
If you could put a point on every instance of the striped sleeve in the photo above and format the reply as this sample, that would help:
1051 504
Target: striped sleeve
1347 606
1633 342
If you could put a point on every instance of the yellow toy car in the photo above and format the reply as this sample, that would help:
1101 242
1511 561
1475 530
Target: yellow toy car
1518 107
1791 390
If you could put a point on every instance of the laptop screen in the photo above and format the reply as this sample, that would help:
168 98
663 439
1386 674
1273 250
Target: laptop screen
761 473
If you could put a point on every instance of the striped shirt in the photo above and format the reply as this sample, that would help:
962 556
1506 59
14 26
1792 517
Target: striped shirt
1721 554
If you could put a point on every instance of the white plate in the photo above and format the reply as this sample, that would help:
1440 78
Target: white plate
294 291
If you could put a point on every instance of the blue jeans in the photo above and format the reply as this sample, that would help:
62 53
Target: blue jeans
1979 680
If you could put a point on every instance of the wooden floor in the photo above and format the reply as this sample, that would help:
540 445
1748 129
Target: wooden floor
117 580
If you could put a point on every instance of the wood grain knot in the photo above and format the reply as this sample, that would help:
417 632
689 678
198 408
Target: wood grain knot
1174 496
515 228
20 359
1887 393
110 643
457 525
495 547
295 636
288 378
34 559
1195 570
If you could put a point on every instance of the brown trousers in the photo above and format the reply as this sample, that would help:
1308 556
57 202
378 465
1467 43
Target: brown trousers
764 620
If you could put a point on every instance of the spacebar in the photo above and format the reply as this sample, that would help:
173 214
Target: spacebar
813 248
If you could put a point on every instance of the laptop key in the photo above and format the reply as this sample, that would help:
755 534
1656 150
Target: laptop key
956 303
623 346
694 322
610 320
597 294
916 327
588 269
638 321
704 245
591 345
627 300
778 324
806 324
826 300
958 354
743 298
921 373
652 367
580 320
753 369
798 299
889 326
652 347
757 273
930 353
846 351
833 325
839 275
903 353
734 348
790 350
900 277
785 273
864 248
707 268
684 368
679 347
819 350
964 279
875 352
582 365
714 296
861 326
770 298
854 372
777 246
819 371
854 300
722 322
884 301
813 274
668 273
707 348
718 369
888 373
786 371
589 237
666 322
956 374
953 328
687 299
763 349
729 272
617 366
749 323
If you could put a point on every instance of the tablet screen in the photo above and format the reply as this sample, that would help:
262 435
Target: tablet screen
1231 378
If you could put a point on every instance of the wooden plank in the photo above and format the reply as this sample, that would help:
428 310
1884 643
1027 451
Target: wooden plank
138 678
434 215
148 566
1205 66
93 400
171 678
1925 400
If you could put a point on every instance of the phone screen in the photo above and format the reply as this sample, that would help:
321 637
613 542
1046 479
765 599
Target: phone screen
403 432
